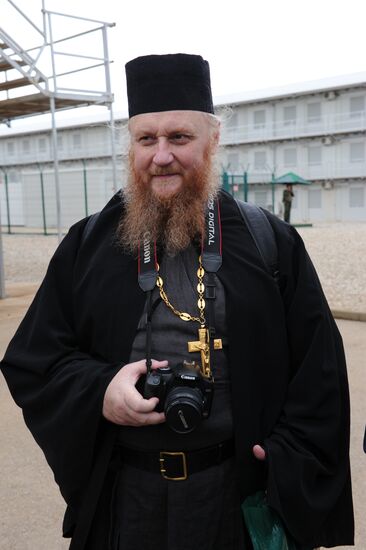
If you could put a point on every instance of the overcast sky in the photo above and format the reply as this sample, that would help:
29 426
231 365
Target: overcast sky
249 44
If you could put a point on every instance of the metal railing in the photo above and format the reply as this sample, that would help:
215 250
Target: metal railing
346 122
100 148
42 62
336 170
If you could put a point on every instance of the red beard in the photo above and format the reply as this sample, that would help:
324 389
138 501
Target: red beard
175 221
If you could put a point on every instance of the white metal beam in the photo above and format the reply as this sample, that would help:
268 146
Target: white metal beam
2 272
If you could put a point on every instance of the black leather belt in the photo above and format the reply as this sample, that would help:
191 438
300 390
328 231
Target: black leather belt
177 465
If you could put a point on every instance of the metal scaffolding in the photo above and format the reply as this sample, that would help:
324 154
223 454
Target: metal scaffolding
33 82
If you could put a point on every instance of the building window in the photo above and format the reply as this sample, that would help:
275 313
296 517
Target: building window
233 163
315 198
357 106
357 152
314 156
26 146
76 141
314 112
10 148
260 160
290 157
60 142
42 145
259 119
357 197
289 115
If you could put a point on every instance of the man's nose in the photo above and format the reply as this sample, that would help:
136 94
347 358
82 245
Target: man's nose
163 155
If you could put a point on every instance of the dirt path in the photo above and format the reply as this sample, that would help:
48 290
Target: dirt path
31 506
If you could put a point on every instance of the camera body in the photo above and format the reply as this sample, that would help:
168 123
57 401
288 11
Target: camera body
185 394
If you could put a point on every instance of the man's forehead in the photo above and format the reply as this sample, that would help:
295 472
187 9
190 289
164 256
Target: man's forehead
168 120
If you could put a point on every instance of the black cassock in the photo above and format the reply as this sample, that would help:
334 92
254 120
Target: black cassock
287 369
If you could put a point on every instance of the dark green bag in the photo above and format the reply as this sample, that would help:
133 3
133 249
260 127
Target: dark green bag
265 527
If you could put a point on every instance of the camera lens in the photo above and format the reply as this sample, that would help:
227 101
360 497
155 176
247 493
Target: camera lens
183 409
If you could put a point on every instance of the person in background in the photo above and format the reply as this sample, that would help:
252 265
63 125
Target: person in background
287 197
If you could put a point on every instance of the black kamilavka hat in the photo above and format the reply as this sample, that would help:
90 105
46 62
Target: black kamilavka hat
169 82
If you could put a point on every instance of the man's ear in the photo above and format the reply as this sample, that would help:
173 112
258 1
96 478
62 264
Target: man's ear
216 138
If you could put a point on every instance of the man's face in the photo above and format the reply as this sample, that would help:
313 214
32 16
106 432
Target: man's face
168 148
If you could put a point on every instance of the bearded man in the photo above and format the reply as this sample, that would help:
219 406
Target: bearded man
164 372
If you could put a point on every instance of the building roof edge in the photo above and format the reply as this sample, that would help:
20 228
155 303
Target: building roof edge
293 90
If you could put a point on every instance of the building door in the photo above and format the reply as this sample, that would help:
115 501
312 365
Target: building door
315 205
356 204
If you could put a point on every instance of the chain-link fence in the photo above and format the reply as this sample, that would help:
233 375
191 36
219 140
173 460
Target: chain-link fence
28 203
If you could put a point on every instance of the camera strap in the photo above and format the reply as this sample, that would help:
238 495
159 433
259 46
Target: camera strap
211 261
212 242
147 275
211 254
147 263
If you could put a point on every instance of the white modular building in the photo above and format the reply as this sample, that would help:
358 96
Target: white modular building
316 130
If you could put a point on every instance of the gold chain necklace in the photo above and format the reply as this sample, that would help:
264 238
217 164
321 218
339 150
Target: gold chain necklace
202 345
200 303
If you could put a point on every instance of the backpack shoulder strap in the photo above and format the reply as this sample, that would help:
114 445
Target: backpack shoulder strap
89 226
93 218
262 234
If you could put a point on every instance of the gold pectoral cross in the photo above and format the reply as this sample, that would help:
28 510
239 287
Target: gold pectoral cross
203 345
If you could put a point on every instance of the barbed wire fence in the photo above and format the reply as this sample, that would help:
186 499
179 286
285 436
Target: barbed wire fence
28 200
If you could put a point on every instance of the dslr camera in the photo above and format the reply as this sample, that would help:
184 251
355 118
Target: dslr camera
185 394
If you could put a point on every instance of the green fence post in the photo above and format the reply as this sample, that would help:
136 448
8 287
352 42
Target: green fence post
7 200
2 273
43 200
85 187
273 192
246 186
225 182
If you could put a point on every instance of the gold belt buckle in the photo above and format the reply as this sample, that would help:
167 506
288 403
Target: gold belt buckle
163 470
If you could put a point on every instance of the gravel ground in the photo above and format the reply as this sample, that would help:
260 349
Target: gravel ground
337 250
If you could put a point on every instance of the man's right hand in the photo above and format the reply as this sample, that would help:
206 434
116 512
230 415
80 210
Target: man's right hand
123 404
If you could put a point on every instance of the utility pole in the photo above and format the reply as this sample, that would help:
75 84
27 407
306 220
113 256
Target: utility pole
2 274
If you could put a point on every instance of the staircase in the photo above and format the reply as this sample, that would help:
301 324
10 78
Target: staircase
19 71
27 90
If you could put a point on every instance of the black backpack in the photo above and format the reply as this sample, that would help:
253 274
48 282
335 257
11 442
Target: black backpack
262 234
257 224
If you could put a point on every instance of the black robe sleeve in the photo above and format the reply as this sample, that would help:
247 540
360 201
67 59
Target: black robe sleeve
308 450
59 386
